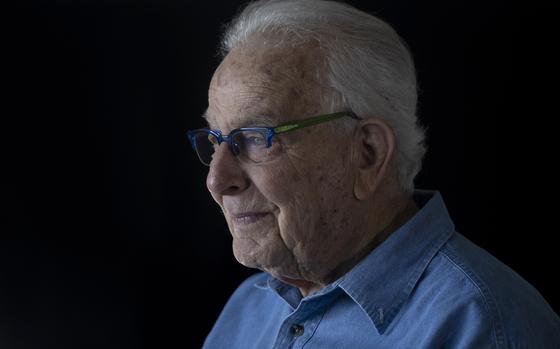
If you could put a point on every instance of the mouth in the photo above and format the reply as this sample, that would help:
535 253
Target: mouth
249 217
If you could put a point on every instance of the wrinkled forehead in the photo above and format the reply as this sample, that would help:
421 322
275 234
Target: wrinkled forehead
265 84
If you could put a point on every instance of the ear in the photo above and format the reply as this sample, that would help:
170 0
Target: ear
373 146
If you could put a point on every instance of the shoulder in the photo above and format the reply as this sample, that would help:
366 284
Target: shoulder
241 315
482 289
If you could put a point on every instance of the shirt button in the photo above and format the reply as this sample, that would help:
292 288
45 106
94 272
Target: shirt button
297 330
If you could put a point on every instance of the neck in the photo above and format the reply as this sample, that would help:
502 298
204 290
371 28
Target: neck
400 215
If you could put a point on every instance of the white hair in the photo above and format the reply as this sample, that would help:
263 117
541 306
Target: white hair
368 65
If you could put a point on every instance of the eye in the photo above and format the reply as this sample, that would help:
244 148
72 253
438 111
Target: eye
254 140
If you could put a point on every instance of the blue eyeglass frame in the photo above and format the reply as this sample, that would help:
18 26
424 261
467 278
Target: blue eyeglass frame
267 132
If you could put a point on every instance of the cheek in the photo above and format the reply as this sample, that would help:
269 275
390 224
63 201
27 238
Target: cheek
280 182
292 191
331 180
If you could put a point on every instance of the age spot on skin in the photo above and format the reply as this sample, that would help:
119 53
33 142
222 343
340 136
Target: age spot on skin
267 72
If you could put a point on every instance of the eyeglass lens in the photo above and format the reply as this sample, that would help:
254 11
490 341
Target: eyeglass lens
248 145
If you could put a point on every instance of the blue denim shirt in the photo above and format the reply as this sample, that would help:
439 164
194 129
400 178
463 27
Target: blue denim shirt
426 286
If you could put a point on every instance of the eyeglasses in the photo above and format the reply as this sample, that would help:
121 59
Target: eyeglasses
253 144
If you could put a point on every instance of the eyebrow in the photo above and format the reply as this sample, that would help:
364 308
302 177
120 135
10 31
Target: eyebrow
254 120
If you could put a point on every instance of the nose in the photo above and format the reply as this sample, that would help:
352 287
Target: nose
226 176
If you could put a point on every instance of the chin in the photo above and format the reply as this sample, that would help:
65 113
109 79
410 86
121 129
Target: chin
246 260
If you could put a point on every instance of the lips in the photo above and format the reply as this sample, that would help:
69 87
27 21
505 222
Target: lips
249 217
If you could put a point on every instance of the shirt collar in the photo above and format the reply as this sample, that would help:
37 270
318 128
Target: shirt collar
382 282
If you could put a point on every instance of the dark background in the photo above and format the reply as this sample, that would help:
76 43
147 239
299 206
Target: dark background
109 238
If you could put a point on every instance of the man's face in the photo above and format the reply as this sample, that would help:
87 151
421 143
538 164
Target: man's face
302 230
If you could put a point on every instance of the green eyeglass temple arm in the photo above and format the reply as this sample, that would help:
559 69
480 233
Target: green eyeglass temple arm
312 121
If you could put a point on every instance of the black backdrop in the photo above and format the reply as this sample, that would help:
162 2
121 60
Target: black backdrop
109 237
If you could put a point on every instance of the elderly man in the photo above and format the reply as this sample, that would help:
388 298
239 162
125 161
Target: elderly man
313 145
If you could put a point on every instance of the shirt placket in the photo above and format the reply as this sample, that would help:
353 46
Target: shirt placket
300 325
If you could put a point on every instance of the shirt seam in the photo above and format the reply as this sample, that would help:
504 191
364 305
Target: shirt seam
484 293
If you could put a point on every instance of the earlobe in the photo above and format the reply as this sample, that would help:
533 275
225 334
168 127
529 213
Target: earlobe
359 189
365 183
